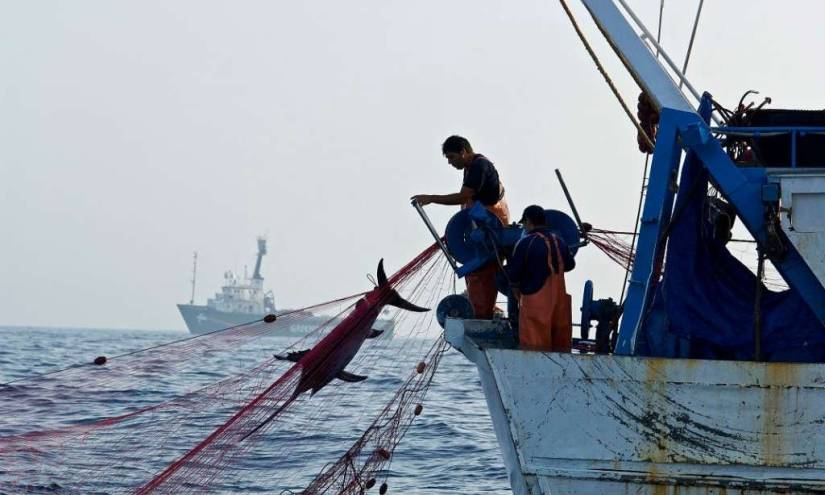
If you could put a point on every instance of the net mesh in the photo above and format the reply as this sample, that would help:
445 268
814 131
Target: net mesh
182 417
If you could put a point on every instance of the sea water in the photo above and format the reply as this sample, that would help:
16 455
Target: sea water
450 448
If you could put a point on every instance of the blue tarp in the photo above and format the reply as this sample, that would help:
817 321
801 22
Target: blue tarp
704 305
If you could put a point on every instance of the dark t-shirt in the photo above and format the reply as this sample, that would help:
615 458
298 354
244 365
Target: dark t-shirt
527 269
482 177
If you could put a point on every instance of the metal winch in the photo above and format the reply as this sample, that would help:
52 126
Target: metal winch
475 237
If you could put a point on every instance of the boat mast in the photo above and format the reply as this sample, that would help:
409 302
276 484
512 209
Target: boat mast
194 275
261 253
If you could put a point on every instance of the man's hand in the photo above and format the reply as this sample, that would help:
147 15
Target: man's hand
423 199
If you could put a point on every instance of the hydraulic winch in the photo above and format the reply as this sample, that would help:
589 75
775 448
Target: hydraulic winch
475 237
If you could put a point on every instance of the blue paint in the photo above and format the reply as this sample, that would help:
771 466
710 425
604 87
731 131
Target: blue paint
756 132
746 197
474 236
644 324
704 305
587 301
655 217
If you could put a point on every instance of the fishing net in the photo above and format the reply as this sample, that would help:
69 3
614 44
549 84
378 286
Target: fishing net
217 413
616 245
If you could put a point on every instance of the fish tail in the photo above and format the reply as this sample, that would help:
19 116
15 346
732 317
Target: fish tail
395 298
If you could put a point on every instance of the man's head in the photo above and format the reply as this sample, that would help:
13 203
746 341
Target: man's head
533 218
458 151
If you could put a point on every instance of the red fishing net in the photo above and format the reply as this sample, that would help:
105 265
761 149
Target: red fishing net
191 416
616 245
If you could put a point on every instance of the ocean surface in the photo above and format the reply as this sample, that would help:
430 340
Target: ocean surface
450 448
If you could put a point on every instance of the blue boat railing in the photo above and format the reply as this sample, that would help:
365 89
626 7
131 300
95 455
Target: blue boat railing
756 132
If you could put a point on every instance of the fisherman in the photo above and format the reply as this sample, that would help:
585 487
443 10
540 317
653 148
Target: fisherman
536 273
481 183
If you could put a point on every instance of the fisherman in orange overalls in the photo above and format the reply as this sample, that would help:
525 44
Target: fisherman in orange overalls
481 183
536 272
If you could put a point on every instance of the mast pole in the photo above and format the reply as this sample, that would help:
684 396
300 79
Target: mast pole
194 275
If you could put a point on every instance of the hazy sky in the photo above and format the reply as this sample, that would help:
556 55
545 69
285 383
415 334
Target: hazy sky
133 133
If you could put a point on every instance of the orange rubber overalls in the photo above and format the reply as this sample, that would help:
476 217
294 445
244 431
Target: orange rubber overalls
545 318
481 284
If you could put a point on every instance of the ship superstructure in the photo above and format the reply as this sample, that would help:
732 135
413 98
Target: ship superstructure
240 300
243 299
244 294
701 381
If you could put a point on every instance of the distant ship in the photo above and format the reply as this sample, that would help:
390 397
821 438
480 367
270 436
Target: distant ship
244 300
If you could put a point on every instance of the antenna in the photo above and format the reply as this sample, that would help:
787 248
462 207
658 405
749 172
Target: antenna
194 275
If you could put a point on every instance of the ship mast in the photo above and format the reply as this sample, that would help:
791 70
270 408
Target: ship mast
194 275
261 253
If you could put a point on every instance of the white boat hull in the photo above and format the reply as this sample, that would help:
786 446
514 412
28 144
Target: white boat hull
603 424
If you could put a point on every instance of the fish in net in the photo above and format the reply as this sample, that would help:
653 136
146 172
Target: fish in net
152 431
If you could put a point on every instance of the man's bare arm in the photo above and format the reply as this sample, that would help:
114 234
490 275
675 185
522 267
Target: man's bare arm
462 197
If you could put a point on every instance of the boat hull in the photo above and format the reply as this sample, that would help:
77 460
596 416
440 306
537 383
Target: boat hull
596 424
203 319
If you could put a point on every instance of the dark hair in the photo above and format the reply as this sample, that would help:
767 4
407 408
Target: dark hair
456 144
535 214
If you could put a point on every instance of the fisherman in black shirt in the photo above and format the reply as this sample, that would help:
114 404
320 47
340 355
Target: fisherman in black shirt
481 183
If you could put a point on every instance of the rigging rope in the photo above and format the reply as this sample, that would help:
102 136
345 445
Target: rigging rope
604 74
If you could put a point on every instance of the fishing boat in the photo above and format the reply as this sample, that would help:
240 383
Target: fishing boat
701 380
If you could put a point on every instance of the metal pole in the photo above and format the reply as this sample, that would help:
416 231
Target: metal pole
659 31
434 233
757 310
690 45
570 200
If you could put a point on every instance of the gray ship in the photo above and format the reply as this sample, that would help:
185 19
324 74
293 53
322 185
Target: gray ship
244 300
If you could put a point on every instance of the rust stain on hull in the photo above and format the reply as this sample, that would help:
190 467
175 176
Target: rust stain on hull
775 414
613 424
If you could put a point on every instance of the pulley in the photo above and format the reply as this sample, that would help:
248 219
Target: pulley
565 227
454 306
465 233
